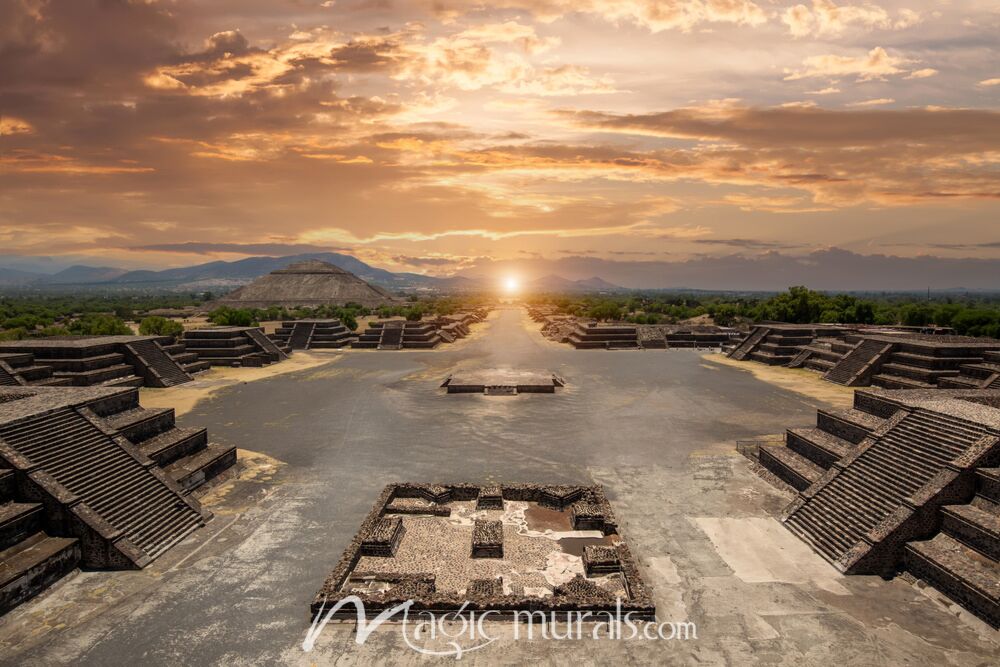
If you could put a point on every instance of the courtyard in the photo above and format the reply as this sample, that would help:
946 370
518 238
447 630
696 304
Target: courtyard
656 428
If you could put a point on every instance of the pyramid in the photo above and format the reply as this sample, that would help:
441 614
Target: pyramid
309 283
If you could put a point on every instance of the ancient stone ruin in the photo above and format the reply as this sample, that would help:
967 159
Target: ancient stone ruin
310 283
90 478
313 334
234 346
859 356
905 480
398 335
502 382
116 361
504 548
913 361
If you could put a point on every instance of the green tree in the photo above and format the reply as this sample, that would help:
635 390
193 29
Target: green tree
160 326
98 324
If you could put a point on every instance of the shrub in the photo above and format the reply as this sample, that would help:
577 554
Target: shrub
160 326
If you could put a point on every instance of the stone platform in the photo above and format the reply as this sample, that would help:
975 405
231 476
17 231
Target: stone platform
904 479
502 383
114 361
90 478
527 552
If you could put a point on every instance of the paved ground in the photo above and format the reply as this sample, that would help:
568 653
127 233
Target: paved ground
655 427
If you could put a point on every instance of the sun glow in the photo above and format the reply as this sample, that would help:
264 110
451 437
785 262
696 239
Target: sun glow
511 285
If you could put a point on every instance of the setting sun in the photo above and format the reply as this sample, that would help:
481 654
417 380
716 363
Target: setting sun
511 285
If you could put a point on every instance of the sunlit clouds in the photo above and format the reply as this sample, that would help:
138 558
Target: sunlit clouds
438 135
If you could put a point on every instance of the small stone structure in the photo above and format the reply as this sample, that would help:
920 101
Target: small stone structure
314 334
234 346
904 479
917 361
434 566
487 539
90 478
601 560
779 344
490 498
502 382
383 537
111 361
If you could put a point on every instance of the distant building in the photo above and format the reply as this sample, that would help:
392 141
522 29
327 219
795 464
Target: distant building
309 283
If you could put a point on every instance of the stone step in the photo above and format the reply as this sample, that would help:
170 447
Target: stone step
8 483
973 526
988 484
931 362
97 375
127 381
918 373
89 464
818 446
961 573
171 445
851 425
981 371
167 371
896 382
138 424
18 521
32 565
192 471
197 367
184 358
791 467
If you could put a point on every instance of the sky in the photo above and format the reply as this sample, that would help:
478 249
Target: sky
450 136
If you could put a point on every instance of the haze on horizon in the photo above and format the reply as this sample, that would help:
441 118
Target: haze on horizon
444 136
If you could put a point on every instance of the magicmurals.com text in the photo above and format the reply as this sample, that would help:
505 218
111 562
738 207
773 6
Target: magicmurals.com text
459 632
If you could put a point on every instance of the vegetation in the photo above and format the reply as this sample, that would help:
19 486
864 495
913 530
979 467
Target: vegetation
98 324
968 315
160 326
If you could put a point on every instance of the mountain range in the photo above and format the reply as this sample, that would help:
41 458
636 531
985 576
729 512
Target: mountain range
208 276
830 269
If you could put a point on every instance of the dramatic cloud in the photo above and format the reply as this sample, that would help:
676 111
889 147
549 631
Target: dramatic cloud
876 64
826 18
423 133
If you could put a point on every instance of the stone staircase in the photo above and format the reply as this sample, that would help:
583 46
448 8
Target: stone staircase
158 368
808 453
184 454
187 360
979 375
133 510
392 337
231 346
31 560
961 561
326 334
301 334
266 344
852 369
605 336
840 510
749 344
20 369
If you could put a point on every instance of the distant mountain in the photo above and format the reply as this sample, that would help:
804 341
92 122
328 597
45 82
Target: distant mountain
597 283
16 278
555 283
218 275
79 274
242 271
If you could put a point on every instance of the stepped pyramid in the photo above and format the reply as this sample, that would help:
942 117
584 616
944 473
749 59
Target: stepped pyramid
308 283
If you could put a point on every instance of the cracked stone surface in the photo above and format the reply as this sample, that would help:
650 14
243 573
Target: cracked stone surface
656 428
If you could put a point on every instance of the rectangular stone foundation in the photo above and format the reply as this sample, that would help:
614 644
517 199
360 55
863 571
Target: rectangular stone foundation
520 556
